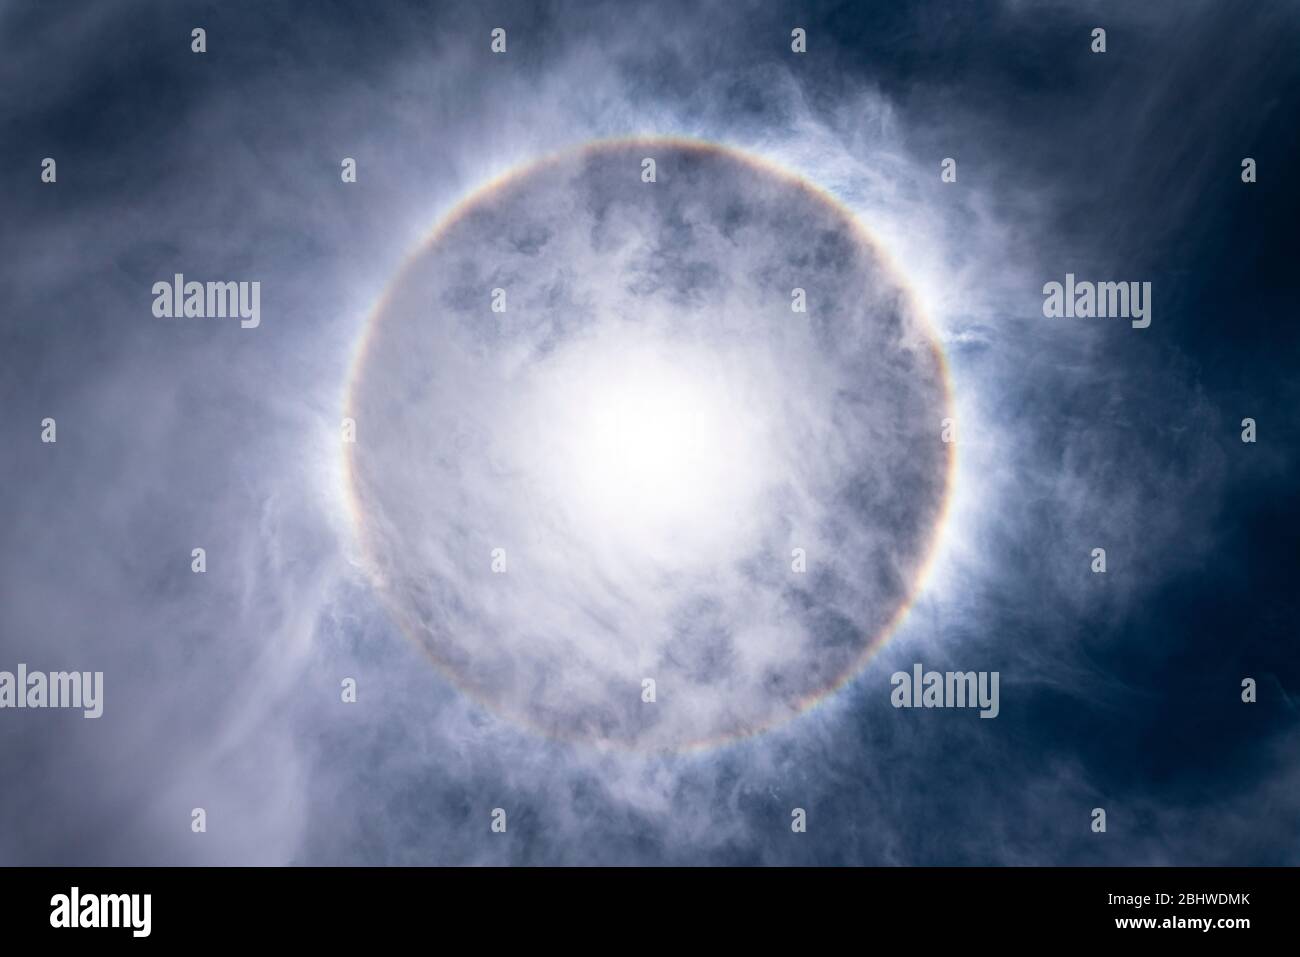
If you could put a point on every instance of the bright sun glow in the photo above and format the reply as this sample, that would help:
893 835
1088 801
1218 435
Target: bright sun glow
650 446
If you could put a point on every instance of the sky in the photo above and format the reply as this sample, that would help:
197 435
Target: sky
1119 691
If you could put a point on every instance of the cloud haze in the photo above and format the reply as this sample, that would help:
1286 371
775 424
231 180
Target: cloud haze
222 690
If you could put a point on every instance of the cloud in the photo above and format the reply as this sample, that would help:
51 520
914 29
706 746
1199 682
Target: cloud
222 690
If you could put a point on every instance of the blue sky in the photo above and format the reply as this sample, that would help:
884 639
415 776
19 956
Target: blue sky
1119 691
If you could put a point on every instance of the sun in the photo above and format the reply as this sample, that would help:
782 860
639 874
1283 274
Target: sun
653 447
